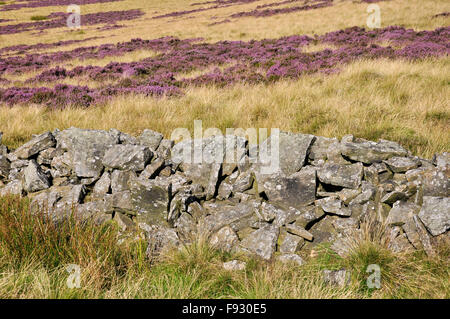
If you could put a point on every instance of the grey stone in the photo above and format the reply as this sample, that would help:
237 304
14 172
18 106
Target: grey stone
291 244
103 185
61 165
339 278
291 258
160 240
151 139
293 150
348 176
234 265
224 239
402 164
401 212
225 214
435 214
46 156
319 148
34 178
5 166
334 206
120 180
127 157
299 231
296 191
371 152
14 187
262 242
86 149
152 169
392 197
35 145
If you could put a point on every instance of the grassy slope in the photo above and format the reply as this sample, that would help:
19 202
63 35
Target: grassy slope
34 256
409 100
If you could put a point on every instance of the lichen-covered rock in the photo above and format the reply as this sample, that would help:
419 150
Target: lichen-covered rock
262 242
401 212
224 239
152 169
291 258
34 178
5 166
160 240
103 185
14 187
319 148
120 180
348 176
333 205
225 214
435 214
86 149
299 231
371 152
291 244
127 157
293 150
151 139
402 164
35 145
234 265
297 190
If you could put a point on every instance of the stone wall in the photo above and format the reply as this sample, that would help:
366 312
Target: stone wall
323 191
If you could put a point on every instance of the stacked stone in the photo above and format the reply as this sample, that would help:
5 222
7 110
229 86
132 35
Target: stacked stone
322 192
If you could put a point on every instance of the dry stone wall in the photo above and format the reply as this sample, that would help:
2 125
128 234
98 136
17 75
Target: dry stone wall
324 189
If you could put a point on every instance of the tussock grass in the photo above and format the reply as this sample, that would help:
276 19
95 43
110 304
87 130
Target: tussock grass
34 254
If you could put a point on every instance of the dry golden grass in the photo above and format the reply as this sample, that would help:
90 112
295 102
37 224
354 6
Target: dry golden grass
397 100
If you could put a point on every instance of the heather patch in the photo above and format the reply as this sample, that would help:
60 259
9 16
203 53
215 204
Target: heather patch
250 62
22 48
309 5
49 3
59 20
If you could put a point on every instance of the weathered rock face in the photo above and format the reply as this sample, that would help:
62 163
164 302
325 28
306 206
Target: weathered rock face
86 149
37 144
321 192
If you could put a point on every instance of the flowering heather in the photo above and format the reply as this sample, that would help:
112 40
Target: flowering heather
241 61
217 4
49 3
30 62
270 12
21 48
58 20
